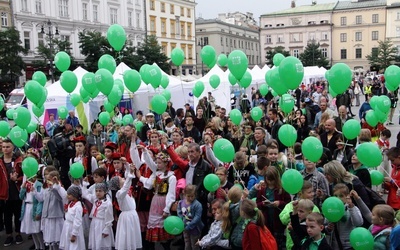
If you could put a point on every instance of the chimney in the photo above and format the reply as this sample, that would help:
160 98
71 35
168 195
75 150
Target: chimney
293 4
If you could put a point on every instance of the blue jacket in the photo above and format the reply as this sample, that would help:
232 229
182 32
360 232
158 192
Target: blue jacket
195 211
72 121
37 205
363 110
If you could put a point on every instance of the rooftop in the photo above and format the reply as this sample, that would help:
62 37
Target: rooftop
303 9
208 21
344 5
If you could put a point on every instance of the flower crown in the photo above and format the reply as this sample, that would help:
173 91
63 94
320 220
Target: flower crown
177 130
163 157
153 131
211 134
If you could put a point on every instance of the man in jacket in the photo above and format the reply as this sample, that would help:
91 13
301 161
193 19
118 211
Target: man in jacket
10 183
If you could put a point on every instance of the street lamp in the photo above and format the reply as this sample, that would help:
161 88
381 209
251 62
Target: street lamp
50 35
201 44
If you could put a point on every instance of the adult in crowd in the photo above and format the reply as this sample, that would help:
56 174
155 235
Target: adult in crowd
171 110
323 109
72 119
275 124
189 109
180 116
328 138
51 125
189 130
150 125
97 137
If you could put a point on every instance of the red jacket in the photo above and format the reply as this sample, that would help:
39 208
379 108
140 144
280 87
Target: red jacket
4 176
393 200
255 239
182 164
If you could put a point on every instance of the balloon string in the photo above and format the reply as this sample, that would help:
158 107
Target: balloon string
391 179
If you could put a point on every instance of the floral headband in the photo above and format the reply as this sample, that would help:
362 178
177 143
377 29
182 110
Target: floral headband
188 140
163 157
153 131
211 134
177 130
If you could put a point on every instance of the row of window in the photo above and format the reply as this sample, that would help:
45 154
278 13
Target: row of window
240 43
296 52
187 49
171 9
27 39
358 36
343 53
176 27
359 19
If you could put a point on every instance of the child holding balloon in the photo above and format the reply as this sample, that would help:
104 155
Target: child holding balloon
382 223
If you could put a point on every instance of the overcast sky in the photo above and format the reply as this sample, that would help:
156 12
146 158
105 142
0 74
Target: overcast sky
209 9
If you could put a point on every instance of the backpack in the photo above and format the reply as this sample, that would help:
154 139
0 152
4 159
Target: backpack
267 240
374 197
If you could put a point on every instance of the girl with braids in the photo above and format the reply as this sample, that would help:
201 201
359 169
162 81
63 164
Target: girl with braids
256 235
164 184
87 160
72 237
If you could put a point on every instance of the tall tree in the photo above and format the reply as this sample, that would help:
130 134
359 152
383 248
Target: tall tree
383 56
11 63
93 45
312 56
151 52
270 54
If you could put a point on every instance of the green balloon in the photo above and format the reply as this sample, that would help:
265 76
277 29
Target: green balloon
143 73
118 121
88 83
94 94
155 75
246 80
391 87
76 170
287 134
238 63
75 99
369 154
212 182
174 225
373 102
108 106
340 76
86 99
62 61
273 79
376 177
115 96
104 81
333 93
18 136
4 128
312 149
256 113
383 104
84 93
116 36
292 181
232 79
215 81
10 114
333 209
286 103
236 116
167 94
138 125
361 239
291 71
68 81
263 89
1 103
198 89
107 62
158 104
33 91
104 118
177 56
392 76
224 150
208 55
40 77
127 119
222 60
132 80
62 112
30 166
22 117
277 59
164 81
371 118
31 127
37 111
351 129
44 97
120 84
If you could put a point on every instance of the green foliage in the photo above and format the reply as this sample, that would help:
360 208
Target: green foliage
93 45
151 52
11 63
383 56
312 56
270 54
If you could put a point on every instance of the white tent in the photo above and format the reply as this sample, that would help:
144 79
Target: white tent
313 74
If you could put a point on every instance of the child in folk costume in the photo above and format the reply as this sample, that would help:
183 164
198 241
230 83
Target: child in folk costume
127 236
101 235
109 149
164 184
72 237
31 211
53 211
87 160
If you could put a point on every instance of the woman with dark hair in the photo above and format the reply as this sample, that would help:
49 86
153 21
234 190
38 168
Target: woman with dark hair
302 127
170 110
38 136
